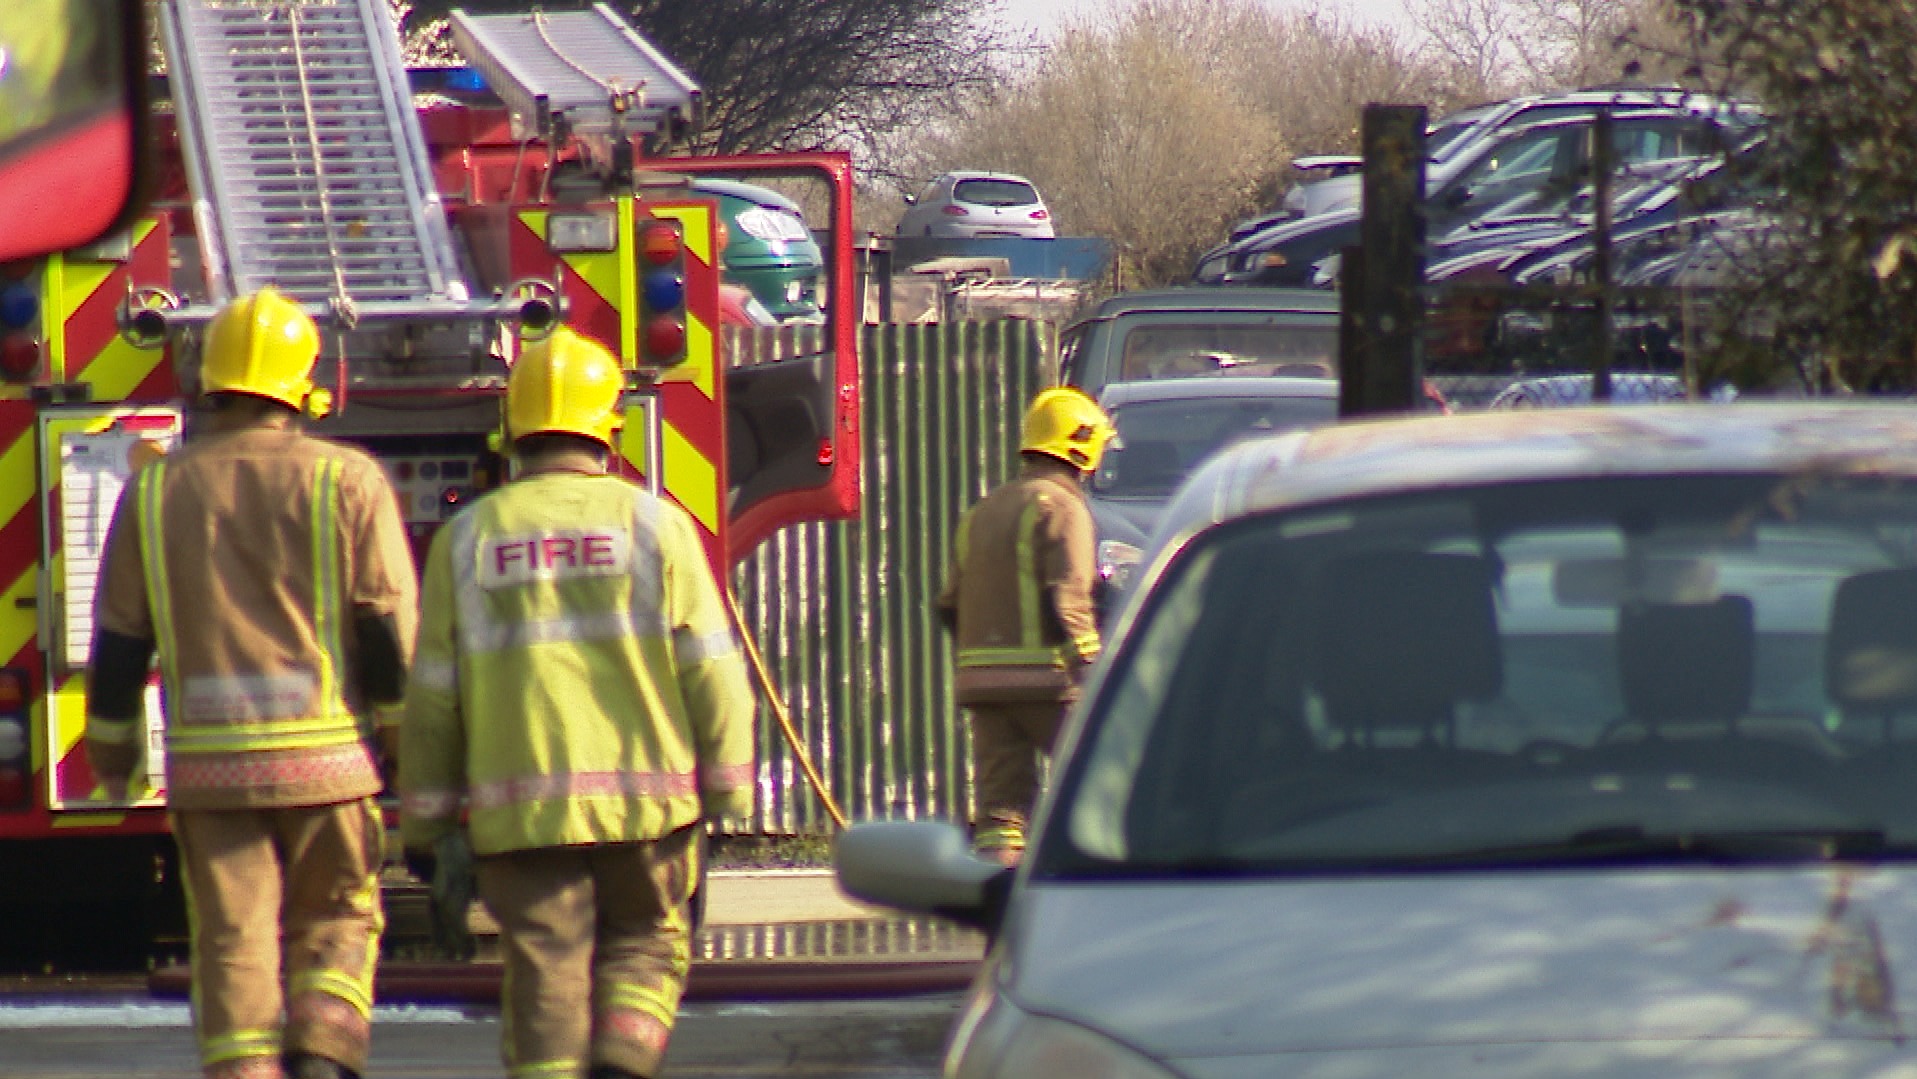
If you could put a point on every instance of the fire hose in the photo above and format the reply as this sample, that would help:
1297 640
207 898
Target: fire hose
776 701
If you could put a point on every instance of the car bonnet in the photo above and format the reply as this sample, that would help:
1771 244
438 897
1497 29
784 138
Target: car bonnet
1617 968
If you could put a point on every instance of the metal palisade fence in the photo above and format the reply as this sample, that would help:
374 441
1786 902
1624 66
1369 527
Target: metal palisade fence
843 610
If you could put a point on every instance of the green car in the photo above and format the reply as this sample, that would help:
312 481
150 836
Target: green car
769 250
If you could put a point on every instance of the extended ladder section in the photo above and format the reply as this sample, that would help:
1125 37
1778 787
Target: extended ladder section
585 72
306 159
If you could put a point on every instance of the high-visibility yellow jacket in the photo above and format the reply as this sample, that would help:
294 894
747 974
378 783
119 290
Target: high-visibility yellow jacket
1019 595
576 679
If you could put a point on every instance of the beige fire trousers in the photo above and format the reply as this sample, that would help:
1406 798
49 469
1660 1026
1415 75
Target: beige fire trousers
284 910
596 943
1008 741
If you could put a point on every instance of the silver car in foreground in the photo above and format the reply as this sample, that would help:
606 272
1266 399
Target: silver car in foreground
1577 742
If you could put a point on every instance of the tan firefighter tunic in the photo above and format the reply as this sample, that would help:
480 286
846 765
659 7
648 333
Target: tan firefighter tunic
250 596
1019 596
577 679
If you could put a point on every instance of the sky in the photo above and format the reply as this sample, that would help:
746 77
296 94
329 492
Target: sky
1044 15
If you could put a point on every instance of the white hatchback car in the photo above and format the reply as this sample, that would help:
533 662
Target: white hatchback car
1571 742
969 204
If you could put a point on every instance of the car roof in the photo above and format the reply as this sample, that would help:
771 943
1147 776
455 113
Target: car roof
765 196
1119 394
1217 298
1354 460
1291 228
978 174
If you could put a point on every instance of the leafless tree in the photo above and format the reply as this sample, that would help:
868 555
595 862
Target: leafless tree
1476 41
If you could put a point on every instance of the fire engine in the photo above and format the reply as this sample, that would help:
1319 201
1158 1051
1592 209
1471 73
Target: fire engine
429 234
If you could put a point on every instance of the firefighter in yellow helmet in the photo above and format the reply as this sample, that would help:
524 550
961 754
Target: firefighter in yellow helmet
270 570
1018 601
580 703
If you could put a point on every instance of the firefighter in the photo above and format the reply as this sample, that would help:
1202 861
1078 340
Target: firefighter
270 569
579 707
1018 602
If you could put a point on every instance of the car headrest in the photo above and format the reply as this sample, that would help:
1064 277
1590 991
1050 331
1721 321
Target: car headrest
1407 634
1870 649
1687 661
1149 464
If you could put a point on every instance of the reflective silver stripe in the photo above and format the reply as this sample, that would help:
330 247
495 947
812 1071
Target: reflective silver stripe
520 789
726 777
689 648
648 571
112 732
431 804
436 674
497 636
248 696
480 632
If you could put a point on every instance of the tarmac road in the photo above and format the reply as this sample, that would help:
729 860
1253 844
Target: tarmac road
143 1039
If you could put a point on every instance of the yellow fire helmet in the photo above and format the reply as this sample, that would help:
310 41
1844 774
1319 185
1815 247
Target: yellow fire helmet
263 344
564 383
1066 423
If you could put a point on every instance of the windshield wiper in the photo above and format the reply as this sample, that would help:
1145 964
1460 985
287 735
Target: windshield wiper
1632 843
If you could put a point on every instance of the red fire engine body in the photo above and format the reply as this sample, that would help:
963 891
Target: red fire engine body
96 345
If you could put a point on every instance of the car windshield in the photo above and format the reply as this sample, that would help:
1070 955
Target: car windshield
995 192
1160 442
1172 349
1670 668
1634 188
1443 139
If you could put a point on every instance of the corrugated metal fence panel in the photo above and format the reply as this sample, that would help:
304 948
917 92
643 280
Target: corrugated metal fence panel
843 611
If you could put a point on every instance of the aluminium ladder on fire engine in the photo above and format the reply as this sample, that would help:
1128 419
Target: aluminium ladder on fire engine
305 156
586 70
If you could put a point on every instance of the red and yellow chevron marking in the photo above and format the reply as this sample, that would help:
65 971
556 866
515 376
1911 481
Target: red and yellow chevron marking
601 291
83 299
692 394
58 765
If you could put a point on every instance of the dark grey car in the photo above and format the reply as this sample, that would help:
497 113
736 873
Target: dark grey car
1166 429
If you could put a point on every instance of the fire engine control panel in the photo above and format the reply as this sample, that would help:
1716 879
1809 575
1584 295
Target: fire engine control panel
433 487
433 477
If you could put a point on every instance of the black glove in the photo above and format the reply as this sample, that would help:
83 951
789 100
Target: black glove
453 888
421 864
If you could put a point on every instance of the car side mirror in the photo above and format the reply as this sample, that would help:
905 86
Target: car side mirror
911 200
926 867
72 112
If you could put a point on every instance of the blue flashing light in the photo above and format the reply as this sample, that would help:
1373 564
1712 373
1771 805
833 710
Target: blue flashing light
465 80
19 306
664 290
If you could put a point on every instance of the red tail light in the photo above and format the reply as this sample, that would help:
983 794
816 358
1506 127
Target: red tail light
1040 215
19 357
953 211
13 788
